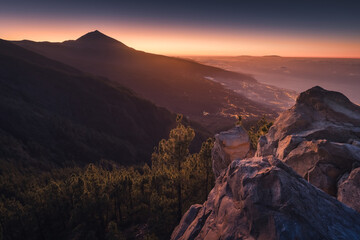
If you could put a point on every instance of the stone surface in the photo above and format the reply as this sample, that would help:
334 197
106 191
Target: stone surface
228 146
187 219
348 189
318 137
273 195
262 198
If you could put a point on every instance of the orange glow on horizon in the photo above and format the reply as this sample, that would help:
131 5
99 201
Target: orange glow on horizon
185 41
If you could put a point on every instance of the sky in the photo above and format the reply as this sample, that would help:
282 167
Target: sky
227 28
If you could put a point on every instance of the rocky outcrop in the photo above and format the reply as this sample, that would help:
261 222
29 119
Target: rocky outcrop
348 189
228 146
313 146
318 137
262 198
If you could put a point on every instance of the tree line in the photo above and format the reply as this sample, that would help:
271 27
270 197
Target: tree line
107 201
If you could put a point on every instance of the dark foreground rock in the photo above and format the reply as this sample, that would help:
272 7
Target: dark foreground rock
262 198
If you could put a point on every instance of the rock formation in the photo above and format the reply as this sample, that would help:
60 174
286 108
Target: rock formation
228 146
318 137
313 146
262 198
349 189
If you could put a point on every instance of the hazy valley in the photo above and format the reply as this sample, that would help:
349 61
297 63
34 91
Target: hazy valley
180 85
294 73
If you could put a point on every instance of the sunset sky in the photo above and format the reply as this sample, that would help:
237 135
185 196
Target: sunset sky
287 28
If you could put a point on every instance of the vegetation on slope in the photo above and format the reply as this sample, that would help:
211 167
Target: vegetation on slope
52 115
105 201
56 120
257 130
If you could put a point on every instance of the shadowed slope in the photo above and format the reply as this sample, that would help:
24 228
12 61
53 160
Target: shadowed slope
54 115
180 85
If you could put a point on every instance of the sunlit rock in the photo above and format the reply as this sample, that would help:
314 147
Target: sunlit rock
263 198
318 137
229 145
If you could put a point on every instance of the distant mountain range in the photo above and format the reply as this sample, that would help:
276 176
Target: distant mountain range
182 86
52 114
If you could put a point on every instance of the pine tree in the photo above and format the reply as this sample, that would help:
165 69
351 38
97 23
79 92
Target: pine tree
171 154
206 163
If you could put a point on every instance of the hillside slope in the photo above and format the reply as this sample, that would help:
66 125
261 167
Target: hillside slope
54 115
180 85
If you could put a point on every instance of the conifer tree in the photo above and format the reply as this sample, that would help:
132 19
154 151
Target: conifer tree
205 159
171 154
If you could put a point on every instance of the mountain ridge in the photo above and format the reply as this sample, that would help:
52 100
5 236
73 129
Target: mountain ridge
176 84
54 115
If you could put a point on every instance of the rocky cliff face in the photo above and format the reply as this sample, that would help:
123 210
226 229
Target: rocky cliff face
262 198
313 146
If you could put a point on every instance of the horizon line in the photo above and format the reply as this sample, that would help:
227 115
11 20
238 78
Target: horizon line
180 55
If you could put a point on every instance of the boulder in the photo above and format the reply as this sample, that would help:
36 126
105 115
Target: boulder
229 145
263 198
348 189
318 137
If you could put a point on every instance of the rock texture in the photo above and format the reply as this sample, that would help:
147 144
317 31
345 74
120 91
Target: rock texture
262 198
228 146
348 189
273 195
318 137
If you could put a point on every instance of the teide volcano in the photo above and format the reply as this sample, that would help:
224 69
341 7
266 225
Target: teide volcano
180 85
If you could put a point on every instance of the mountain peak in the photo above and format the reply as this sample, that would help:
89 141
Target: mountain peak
317 94
97 37
332 105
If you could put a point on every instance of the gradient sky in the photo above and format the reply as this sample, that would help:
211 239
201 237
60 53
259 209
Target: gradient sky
287 28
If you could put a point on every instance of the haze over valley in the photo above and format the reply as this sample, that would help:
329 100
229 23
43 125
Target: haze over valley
294 73
181 86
